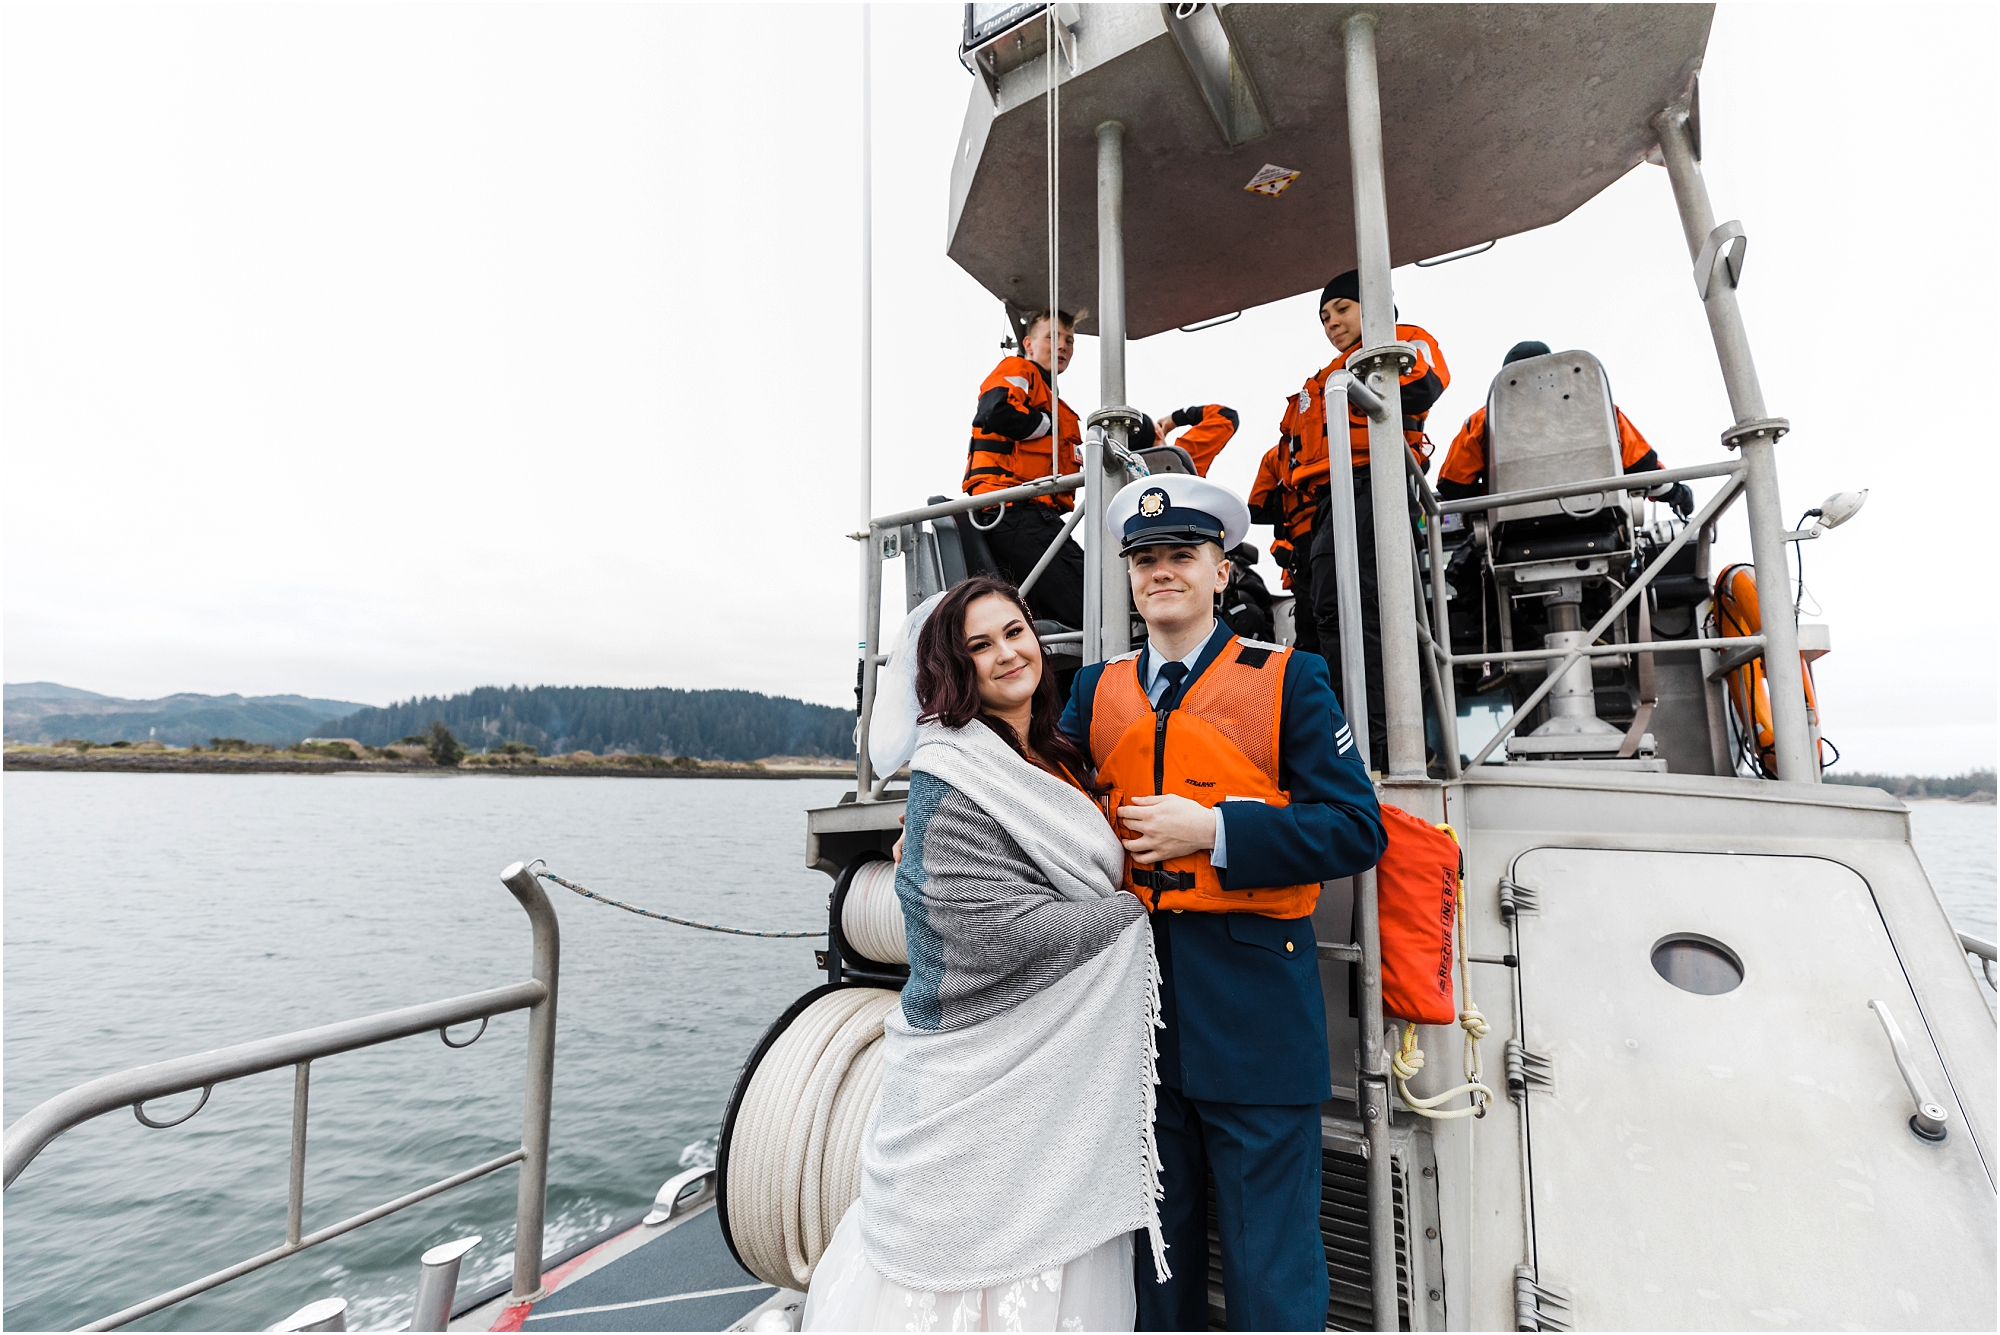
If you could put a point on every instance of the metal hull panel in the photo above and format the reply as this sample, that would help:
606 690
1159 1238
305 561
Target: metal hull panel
1504 812
1737 1160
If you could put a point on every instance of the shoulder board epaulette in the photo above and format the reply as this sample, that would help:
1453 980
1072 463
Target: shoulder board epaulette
1265 645
1123 657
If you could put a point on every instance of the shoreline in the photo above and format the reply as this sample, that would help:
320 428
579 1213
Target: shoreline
36 761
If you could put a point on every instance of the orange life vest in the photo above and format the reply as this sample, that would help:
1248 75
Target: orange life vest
1012 440
1219 743
1302 434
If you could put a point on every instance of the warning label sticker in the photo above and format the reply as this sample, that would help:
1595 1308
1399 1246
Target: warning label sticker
1271 180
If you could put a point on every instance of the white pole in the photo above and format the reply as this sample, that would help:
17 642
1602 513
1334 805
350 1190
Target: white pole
870 607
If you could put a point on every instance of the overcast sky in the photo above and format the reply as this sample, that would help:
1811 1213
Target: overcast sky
368 351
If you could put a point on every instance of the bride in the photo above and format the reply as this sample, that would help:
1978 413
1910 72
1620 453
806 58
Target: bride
1011 1159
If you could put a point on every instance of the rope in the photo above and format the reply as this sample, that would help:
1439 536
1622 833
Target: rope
871 918
1409 1058
795 1154
665 917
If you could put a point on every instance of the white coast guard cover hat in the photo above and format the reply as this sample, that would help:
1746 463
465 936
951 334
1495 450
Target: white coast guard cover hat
1178 509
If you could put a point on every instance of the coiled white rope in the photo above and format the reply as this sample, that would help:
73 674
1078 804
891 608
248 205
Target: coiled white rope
871 918
795 1151
1409 1058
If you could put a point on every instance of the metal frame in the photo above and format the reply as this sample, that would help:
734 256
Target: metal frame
1437 642
877 547
31 1133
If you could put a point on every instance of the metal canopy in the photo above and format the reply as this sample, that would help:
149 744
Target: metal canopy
1497 119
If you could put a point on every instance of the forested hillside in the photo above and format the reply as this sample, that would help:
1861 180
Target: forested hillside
708 725
42 711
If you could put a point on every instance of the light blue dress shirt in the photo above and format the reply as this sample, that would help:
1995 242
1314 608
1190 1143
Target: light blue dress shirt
1155 685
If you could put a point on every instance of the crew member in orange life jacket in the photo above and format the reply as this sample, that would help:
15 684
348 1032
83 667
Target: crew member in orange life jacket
1308 432
1238 789
1015 430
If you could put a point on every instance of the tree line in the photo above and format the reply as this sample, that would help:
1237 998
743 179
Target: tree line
661 720
1967 784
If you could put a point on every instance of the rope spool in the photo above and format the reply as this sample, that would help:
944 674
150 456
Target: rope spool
790 1154
871 916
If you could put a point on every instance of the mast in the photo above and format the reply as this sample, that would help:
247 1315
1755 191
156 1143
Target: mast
871 566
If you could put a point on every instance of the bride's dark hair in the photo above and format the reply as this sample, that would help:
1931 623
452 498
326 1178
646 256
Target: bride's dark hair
948 683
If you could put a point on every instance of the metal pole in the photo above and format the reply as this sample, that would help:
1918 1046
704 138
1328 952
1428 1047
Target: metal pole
1445 689
871 635
1395 588
539 1090
295 1201
1346 568
1755 436
1395 579
437 1284
868 560
1372 1093
1112 622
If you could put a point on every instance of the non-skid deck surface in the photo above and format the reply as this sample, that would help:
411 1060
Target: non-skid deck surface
685 1279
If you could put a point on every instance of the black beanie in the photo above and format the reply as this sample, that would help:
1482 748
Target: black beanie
1346 285
1520 352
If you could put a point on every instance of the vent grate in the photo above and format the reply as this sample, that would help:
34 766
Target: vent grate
1343 1228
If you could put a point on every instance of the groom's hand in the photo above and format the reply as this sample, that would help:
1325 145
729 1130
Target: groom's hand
1167 826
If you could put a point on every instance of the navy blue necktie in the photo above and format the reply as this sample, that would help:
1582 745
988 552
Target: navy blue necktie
1174 674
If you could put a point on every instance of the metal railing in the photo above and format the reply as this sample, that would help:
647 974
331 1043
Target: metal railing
1436 638
867 786
1983 951
31 1133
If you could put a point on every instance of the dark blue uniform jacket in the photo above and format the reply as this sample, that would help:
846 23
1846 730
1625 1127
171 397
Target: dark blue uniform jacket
1245 1022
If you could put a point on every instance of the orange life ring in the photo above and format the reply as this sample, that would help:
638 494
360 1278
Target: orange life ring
1736 613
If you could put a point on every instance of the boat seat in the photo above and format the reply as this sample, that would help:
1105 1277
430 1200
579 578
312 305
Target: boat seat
1550 420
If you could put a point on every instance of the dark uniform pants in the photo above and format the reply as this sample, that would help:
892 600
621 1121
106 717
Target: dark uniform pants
1325 611
1017 543
1266 1161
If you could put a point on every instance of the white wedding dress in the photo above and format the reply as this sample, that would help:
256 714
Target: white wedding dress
1092 1292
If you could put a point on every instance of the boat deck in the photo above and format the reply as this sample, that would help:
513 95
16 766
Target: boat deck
677 1276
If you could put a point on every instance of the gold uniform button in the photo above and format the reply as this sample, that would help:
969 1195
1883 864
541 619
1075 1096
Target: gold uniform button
1288 947
1180 910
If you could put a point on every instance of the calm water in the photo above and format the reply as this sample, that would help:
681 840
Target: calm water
154 915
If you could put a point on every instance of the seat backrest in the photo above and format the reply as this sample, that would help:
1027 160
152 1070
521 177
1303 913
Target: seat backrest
974 557
951 556
1549 420
1167 459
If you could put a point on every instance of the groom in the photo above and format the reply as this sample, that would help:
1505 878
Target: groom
1237 789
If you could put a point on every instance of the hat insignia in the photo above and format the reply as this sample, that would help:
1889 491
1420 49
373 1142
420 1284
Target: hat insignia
1153 502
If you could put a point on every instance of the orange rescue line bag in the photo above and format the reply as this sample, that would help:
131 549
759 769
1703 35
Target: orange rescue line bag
1416 897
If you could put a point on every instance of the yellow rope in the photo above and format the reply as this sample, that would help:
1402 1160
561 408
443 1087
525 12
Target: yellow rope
1409 1058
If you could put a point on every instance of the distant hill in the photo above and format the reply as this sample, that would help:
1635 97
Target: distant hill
44 711
49 690
708 725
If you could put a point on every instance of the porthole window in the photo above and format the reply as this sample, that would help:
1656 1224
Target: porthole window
1698 964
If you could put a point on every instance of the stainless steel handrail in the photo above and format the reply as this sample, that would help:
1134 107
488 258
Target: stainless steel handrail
1596 485
867 787
32 1132
1984 952
1636 589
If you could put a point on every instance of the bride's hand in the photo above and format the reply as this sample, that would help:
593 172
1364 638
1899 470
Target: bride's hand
1167 826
